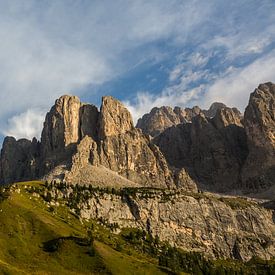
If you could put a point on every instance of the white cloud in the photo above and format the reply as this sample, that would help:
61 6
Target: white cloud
145 101
235 87
27 124
49 48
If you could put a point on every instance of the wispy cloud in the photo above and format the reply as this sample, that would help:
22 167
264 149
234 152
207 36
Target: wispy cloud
225 60
51 48
234 87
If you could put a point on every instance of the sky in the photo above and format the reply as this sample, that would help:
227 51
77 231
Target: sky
145 53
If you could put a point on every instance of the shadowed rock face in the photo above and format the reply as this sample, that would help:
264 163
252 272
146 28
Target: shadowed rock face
212 150
19 159
259 122
227 151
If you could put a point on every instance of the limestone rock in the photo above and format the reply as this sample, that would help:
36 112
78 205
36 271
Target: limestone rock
65 125
211 150
133 156
18 160
159 119
104 139
184 181
88 121
61 127
114 118
227 116
259 121
216 106
206 224
192 112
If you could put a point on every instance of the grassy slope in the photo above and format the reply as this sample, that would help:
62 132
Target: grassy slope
26 223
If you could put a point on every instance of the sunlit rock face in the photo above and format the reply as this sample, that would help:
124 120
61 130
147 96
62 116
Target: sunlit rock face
217 149
79 143
114 118
161 118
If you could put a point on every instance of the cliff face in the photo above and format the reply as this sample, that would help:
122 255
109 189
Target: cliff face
18 159
81 144
160 119
217 148
213 150
218 227
259 121
123 149
227 151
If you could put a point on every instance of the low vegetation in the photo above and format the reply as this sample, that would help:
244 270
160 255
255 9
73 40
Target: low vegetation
41 233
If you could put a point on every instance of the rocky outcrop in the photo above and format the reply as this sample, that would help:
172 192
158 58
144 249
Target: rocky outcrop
259 121
114 118
127 151
212 150
115 144
61 127
227 116
65 125
217 227
18 160
159 119
216 148
216 106
81 144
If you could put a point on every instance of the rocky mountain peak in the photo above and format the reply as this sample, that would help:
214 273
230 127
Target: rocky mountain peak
114 118
223 151
211 112
67 123
161 118
259 122
61 126
227 116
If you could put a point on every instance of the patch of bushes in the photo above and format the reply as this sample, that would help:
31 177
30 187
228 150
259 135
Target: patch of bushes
4 193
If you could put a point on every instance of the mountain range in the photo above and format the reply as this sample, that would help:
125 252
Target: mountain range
185 190
218 149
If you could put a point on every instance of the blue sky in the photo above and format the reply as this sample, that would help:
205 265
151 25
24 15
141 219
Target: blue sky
145 53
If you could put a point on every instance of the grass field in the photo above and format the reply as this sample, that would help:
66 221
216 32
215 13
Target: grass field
27 224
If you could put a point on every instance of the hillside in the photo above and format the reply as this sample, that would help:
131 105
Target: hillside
35 239
43 235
